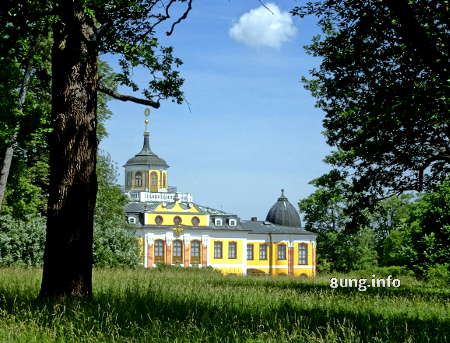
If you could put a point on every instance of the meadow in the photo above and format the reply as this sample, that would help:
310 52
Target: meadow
179 305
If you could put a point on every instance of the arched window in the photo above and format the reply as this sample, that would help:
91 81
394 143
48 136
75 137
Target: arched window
177 251
138 179
195 221
195 252
159 220
153 182
159 251
177 220
303 253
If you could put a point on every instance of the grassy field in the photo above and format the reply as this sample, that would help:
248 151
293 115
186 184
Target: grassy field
200 306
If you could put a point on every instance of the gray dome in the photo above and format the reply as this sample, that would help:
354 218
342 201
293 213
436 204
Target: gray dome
283 213
146 156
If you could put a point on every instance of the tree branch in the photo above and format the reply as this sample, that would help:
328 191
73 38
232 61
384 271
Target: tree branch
122 97
184 16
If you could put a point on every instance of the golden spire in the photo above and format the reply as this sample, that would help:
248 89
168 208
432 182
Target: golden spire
146 113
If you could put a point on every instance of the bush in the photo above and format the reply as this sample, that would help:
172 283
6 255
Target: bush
22 241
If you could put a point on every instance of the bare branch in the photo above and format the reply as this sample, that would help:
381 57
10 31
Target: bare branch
179 20
265 6
122 97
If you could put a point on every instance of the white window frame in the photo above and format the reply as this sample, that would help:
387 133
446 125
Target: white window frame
218 222
131 220
233 222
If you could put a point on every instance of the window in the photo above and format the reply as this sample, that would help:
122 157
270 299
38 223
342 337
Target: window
164 181
177 251
195 252
282 251
159 220
263 251
153 182
195 221
131 220
232 250
138 179
128 179
303 253
232 222
177 220
217 249
249 251
159 251
218 222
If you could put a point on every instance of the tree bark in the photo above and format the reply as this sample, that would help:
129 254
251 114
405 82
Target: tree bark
68 254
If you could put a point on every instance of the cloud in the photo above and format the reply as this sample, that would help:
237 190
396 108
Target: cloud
261 27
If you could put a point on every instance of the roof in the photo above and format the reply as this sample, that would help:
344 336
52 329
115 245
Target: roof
146 156
268 227
283 213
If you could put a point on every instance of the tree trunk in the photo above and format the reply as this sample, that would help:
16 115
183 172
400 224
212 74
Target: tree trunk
4 172
73 149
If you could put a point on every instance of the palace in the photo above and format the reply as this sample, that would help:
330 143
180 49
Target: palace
172 229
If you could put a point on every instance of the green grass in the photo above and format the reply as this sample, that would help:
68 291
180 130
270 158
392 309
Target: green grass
201 306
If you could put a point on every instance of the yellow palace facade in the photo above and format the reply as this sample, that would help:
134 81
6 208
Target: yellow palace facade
172 229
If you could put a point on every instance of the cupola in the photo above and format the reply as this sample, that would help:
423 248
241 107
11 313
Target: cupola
283 213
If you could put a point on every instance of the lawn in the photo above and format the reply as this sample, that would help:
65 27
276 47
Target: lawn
179 305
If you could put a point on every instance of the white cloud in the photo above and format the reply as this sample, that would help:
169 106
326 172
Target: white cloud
261 27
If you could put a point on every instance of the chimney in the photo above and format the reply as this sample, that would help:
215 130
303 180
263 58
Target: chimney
254 219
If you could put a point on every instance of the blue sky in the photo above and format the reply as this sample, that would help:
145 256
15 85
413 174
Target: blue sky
253 129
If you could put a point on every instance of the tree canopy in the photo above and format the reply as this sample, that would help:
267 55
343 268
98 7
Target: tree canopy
383 84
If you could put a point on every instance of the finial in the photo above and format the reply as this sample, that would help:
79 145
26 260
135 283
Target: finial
146 113
282 192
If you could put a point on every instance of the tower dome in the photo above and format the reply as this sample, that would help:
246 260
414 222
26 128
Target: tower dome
146 156
283 213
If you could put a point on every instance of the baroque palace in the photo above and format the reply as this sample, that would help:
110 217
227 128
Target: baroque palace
172 229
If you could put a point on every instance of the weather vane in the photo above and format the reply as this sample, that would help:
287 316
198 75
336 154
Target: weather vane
147 114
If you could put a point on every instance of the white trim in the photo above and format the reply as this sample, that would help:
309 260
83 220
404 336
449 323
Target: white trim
222 265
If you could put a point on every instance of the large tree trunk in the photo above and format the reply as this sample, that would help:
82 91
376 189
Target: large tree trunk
73 148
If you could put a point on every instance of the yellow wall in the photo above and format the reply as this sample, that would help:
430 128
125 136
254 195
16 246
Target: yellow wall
169 214
146 178
225 259
140 242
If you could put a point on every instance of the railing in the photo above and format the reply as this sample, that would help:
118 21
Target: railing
158 197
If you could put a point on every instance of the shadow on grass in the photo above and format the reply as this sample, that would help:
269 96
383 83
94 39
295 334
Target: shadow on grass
132 314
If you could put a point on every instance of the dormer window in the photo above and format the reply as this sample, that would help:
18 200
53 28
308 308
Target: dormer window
232 222
131 220
218 222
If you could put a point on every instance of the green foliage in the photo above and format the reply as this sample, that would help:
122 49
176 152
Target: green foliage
22 241
429 237
343 252
185 305
114 244
383 84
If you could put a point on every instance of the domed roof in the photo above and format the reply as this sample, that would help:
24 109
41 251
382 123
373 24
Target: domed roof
146 156
283 213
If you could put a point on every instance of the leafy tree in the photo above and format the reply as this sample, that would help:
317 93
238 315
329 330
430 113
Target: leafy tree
114 242
383 83
81 31
429 236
